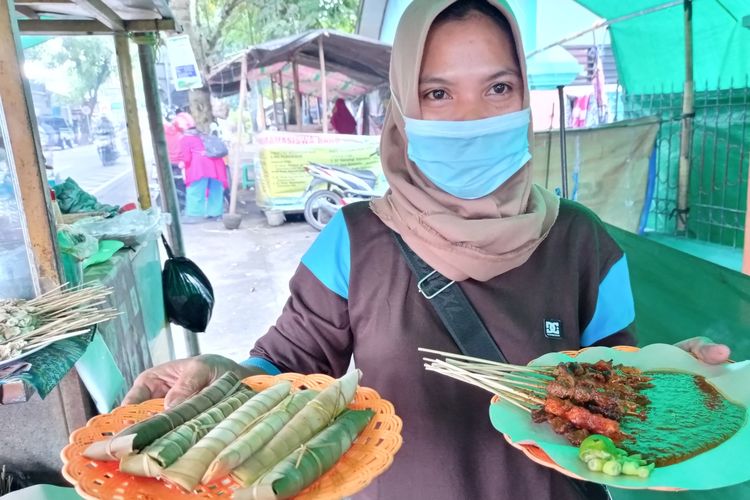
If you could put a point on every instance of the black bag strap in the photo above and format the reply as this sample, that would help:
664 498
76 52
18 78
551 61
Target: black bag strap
456 312
468 332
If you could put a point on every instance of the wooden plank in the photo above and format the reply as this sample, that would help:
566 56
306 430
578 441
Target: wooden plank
102 13
67 27
27 11
125 67
25 152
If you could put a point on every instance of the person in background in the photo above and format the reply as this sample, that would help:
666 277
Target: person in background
205 178
342 120
173 133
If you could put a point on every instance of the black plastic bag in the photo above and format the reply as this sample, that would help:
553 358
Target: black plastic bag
188 295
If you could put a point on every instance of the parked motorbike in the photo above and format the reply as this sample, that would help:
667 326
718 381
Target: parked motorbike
342 187
106 147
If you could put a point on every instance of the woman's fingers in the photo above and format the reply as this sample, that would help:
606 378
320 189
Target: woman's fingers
706 350
137 394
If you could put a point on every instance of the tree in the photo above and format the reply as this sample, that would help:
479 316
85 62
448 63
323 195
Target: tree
89 62
218 28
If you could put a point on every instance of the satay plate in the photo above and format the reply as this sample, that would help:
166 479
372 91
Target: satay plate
724 465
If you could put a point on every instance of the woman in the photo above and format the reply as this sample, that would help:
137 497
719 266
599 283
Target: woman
342 120
173 132
456 154
205 177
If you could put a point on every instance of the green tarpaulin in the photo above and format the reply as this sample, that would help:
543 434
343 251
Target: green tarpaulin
678 296
650 49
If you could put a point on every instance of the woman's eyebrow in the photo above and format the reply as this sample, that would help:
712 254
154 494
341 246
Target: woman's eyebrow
433 80
438 80
504 73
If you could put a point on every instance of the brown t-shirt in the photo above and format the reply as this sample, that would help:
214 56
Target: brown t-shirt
354 294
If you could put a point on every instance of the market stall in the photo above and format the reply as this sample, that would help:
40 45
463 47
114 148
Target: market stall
59 387
307 73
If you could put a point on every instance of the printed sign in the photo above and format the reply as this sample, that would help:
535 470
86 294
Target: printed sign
185 72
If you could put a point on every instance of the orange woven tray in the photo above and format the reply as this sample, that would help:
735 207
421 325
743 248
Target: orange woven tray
370 455
537 454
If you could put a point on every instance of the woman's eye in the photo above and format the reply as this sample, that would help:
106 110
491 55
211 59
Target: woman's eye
437 95
500 88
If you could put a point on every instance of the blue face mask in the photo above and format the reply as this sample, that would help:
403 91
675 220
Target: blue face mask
470 159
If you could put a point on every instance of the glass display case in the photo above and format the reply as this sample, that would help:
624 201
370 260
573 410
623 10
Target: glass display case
17 275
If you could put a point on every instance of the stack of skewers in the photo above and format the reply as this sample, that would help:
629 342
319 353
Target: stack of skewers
59 314
576 399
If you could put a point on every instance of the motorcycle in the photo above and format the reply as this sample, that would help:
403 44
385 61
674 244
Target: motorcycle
105 146
342 187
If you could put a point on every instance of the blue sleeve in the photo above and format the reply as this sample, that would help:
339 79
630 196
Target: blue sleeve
329 258
263 364
615 309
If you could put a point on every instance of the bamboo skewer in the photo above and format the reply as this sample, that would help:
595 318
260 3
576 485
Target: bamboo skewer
55 315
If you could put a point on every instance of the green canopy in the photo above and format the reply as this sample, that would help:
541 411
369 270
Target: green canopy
650 49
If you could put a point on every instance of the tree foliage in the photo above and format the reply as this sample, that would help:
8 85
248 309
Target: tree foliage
89 62
219 28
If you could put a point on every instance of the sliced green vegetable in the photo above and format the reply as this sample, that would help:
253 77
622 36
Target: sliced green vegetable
595 464
612 468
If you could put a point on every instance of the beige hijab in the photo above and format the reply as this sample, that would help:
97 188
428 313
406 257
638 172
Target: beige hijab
477 239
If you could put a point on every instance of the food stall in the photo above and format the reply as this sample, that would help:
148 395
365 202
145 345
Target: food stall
55 390
304 75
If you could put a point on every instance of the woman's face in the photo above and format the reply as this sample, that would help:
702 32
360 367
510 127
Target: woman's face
469 71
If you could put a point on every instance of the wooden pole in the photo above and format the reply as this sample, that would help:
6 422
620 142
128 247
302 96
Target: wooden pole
323 84
238 141
275 111
24 154
688 113
261 107
283 102
297 96
125 66
146 48
365 116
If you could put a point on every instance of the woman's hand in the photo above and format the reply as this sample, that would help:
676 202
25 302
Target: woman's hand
706 350
178 380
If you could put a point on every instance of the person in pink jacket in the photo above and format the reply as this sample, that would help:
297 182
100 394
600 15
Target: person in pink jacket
205 177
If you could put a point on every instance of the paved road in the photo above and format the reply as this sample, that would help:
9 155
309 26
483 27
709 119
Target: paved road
113 184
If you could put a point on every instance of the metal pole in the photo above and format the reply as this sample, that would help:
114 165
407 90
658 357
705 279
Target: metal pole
688 113
604 23
323 85
125 66
146 48
563 149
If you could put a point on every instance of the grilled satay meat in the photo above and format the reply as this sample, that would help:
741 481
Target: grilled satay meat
583 418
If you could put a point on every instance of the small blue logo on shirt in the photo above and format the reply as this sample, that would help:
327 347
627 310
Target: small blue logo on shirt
552 328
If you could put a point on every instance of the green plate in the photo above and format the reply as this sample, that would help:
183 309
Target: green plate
722 466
